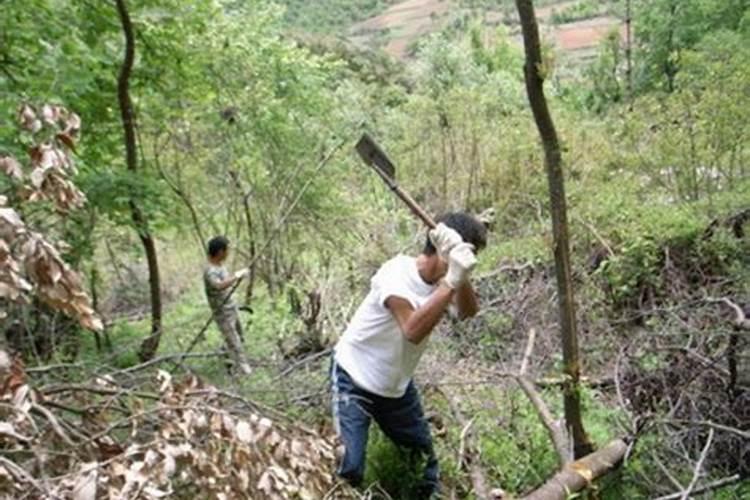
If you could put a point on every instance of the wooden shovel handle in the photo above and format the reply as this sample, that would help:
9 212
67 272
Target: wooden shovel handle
414 206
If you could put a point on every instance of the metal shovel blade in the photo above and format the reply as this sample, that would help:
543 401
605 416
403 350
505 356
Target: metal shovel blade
374 156
377 159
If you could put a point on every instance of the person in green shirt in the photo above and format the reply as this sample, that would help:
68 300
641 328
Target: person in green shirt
218 283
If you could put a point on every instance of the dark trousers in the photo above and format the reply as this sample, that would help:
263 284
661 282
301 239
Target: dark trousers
401 419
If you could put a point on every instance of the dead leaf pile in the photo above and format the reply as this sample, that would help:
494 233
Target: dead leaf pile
101 441
51 163
29 262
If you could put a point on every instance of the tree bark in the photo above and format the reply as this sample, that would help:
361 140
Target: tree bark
245 194
670 68
151 343
553 165
577 475
629 50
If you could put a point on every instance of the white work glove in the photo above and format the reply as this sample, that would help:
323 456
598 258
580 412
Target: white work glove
241 273
461 260
444 239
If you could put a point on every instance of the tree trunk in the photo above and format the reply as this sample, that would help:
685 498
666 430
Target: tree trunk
629 50
245 195
553 165
151 343
670 68
579 474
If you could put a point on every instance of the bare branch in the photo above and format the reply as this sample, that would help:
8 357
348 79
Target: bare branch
740 321
698 466
20 474
555 431
468 455
527 354
666 472
53 422
711 425
727 481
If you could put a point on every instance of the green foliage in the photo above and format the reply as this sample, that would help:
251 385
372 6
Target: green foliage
330 16
518 453
648 237
606 74
394 469
584 9
665 28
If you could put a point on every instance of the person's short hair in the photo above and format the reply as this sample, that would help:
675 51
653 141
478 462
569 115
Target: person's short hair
216 245
471 229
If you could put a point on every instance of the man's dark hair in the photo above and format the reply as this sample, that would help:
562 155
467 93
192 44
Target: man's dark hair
469 227
216 245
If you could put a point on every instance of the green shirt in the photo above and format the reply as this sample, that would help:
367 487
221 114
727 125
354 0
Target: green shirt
213 276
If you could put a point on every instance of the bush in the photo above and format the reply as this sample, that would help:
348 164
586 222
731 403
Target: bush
582 10
392 468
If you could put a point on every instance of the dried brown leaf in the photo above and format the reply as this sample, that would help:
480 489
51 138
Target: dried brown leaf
67 140
11 167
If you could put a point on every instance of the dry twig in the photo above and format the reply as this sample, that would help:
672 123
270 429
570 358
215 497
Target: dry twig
555 431
698 466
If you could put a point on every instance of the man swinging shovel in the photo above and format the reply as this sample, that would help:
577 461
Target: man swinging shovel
375 358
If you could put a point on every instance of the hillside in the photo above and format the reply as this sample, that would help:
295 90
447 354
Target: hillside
574 27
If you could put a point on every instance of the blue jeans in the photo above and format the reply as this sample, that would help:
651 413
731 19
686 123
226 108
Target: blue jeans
401 419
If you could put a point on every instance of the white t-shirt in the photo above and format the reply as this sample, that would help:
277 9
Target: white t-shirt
373 350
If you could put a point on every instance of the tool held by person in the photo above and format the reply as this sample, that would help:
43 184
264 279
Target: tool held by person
374 156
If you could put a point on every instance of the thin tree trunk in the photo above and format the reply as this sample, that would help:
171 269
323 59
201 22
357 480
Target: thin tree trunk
185 198
629 50
151 343
553 164
670 68
245 194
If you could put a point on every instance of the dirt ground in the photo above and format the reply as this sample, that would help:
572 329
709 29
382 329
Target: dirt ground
585 34
405 22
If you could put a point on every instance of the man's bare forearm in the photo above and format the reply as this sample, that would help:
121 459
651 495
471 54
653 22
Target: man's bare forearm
226 283
417 324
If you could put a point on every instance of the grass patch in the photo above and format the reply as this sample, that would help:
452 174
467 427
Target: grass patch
585 9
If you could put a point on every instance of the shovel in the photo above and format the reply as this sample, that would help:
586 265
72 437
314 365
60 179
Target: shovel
377 159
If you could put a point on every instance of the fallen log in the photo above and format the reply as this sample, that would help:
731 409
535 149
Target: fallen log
577 475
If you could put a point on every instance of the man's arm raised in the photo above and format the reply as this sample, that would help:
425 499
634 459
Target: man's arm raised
229 280
416 324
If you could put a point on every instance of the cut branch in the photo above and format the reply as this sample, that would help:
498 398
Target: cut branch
579 474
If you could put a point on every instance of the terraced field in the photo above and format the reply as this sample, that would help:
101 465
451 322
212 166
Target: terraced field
401 25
